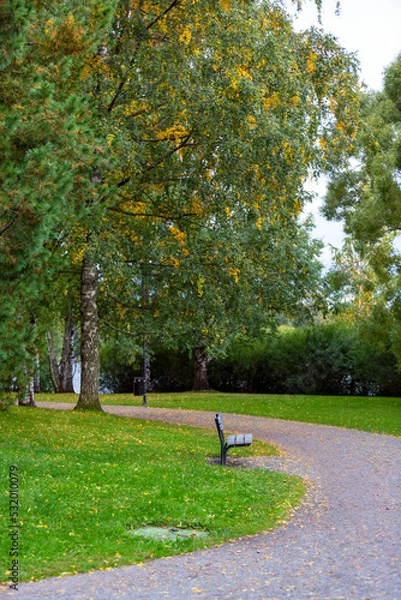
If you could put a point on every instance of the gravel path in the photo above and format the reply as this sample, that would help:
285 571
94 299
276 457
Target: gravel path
344 542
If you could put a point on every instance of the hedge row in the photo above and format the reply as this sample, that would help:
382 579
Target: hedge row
333 358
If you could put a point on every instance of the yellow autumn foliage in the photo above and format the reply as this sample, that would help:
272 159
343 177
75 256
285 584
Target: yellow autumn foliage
311 63
175 133
177 235
186 36
234 272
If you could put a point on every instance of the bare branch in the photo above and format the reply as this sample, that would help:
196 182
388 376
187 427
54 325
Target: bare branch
183 144
164 13
135 335
168 154
150 214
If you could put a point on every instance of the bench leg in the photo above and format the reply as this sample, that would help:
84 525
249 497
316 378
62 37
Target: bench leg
223 455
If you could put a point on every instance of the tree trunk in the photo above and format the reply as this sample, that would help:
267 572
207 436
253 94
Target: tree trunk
148 379
201 381
36 379
90 339
29 398
53 365
67 356
62 373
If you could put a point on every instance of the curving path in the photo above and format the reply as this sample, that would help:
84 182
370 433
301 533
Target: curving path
344 542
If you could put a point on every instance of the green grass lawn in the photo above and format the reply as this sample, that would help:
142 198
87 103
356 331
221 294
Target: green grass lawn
376 414
87 480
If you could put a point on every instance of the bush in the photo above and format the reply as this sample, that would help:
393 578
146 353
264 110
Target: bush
120 362
313 359
326 358
334 358
6 401
171 370
243 369
376 369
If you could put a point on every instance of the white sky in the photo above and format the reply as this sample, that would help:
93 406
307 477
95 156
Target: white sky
371 28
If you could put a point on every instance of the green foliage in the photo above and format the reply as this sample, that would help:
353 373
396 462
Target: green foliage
242 367
120 362
203 238
6 400
171 147
171 371
338 357
313 359
327 358
47 148
46 384
310 359
86 480
365 193
376 356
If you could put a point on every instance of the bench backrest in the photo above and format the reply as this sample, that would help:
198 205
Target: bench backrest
220 426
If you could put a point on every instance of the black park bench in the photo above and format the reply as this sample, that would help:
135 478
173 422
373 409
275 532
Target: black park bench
239 439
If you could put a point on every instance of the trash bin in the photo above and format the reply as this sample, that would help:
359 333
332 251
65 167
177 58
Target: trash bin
138 386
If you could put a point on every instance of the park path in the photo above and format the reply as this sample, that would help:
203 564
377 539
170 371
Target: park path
344 542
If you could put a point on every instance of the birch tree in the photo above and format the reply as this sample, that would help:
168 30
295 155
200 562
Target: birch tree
142 124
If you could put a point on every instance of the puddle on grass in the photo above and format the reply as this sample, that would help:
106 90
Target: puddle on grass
168 533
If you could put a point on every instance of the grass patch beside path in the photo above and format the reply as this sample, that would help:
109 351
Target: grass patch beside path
86 480
375 414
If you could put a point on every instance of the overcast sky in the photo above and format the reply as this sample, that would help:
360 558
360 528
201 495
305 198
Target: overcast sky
371 29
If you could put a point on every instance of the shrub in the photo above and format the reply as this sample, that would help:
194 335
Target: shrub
6 401
334 358
171 370
330 358
313 359
120 362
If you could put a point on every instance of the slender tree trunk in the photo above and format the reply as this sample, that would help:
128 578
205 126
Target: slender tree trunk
67 356
62 373
201 381
90 340
36 380
53 365
148 380
29 398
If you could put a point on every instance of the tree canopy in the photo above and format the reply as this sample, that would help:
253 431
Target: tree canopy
168 141
365 193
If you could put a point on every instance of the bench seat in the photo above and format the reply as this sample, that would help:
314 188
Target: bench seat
240 439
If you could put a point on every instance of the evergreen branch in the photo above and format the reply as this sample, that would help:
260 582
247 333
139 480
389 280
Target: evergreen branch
9 224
